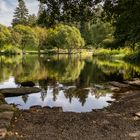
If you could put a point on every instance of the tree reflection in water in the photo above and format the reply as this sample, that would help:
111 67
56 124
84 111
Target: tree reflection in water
73 76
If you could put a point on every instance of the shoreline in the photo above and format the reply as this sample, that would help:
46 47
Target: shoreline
120 120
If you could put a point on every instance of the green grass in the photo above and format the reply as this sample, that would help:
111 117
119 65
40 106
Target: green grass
10 49
133 57
111 53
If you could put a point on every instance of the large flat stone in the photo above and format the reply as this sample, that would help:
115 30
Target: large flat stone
120 85
6 107
9 92
134 82
8 115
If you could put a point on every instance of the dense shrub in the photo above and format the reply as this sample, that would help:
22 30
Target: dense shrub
5 36
65 37
95 33
26 37
41 34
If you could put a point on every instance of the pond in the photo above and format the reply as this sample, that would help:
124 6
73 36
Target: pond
74 83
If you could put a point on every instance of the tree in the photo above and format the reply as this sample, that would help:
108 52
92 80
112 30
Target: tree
5 36
41 34
20 14
68 11
41 9
65 37
124 14
28 37
94 34
32 20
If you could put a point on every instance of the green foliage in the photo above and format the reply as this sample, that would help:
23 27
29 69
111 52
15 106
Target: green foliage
111 43
112 53
5 36
65 37
133 57
28 37
42 16
66 11
41 34
20 14
32 20
95 33
124 14
10 49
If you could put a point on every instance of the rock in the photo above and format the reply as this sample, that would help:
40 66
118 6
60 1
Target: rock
4 123
136 118
8 115
27 84
134 82
57 109
109 102
2 100
47 107
3 132
120 85
135 134
6 107
99 86
9 92
36 107
137 114
115 89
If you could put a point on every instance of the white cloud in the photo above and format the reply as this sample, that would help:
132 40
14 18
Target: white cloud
3 7
7 8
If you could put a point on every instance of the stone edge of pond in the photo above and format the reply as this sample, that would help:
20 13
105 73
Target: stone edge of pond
19 91
6 115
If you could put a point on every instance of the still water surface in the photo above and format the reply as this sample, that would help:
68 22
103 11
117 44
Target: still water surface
74 83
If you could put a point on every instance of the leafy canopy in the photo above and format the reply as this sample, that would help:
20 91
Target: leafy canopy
124 14
65 37
5 35
66 11
28 37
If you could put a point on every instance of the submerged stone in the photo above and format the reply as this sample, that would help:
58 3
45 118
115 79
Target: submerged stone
120 85
9 92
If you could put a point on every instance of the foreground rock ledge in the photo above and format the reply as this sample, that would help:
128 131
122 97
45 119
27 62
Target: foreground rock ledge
19 91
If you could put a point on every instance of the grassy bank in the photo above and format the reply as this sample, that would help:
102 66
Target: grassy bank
125 54
112 53
133 57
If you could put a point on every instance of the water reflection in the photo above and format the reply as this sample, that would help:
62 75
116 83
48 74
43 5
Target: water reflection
65 81
70 100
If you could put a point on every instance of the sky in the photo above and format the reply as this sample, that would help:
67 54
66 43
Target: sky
7 8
